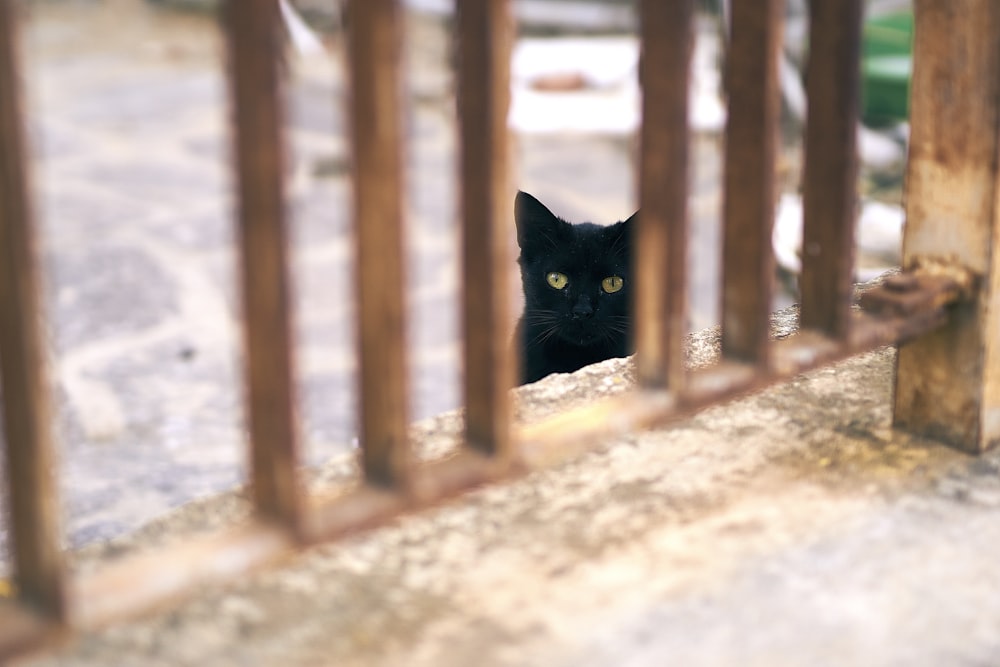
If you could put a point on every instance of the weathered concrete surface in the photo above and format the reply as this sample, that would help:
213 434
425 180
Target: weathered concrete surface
793 527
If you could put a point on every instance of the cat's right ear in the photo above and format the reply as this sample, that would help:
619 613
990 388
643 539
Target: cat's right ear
536 225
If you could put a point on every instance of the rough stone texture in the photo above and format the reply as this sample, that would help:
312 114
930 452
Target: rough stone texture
791 527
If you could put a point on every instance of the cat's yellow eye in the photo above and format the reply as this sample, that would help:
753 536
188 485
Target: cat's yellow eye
557 280
612 284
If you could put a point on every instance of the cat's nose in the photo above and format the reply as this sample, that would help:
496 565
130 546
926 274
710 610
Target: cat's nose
583 310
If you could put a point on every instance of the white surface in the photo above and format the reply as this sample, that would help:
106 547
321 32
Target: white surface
303 38
609 102
879 236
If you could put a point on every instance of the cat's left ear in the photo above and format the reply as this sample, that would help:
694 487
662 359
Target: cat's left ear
629 225
625 232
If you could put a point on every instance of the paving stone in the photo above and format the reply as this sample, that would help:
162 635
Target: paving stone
75 212
90 286
210 229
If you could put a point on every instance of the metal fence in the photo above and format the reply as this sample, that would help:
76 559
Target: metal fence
943 308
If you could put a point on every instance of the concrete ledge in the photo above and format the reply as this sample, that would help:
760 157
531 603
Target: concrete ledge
792 527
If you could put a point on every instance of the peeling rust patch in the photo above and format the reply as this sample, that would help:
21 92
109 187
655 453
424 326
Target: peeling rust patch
931 285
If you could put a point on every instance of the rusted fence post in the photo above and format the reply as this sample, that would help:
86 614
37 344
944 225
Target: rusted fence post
948 382
667 35
751 151
254 40
375 33
484 41
39 571
830 180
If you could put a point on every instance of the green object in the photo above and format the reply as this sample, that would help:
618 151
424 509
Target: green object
886 65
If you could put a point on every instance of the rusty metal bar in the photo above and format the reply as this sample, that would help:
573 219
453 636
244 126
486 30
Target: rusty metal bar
139 583
749 186
948 382
905 294
39 570
254 41
20 630
484 41
374 50
830 174
367 507
667 36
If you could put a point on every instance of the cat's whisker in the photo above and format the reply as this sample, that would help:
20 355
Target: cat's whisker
541 318
617 246
544 336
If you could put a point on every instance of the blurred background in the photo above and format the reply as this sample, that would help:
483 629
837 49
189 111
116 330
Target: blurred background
128 121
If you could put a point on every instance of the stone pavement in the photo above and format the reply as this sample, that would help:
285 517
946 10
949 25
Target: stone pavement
128 119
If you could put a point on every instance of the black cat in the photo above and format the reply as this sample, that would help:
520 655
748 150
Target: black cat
576 279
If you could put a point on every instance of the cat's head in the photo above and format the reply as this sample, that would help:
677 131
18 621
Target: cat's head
576 278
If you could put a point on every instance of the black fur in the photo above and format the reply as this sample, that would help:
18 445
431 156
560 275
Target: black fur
562 330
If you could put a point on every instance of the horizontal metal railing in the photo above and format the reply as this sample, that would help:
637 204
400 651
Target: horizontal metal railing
944 295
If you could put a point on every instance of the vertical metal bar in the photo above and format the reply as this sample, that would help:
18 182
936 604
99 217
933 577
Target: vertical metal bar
374 49
666 33
254 41
830 196
948 382
39 570
751 149
484 40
